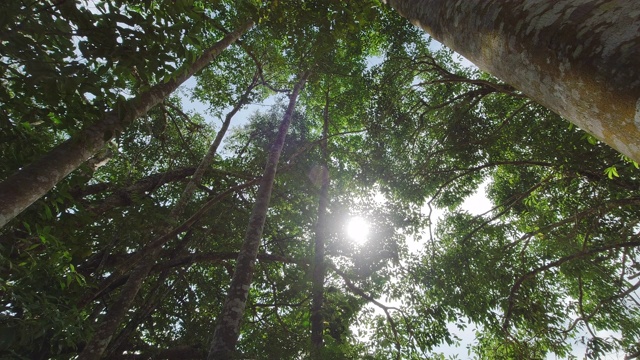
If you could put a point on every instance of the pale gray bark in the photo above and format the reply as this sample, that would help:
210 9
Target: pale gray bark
227 330
30 183
579 58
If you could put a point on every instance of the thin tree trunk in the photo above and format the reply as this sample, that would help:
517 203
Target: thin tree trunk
180 206
579 58
317 289
227 330
185 197
30 183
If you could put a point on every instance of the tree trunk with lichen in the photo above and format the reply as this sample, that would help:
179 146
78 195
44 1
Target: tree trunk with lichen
579 58
33 181
227 330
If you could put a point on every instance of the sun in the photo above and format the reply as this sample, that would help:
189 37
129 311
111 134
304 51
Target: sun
358 229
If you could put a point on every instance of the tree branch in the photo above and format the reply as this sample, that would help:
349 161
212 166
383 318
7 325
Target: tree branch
578 255
356 290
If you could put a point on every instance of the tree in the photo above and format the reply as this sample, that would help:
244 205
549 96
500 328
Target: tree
518 272
317 288
139 245
587 74
98 344
228 328
31 182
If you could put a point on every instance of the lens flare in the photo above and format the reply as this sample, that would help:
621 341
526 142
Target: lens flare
358 229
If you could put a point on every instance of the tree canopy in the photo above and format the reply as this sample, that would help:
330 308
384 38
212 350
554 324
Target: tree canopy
131 255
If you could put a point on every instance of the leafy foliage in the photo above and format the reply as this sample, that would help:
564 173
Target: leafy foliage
410 131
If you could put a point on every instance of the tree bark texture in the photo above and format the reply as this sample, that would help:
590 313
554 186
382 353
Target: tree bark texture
33 181
317 289
579 58
227 329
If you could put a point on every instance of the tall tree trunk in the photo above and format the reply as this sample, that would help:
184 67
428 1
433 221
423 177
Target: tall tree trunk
227 330
317 289
579 58
30 183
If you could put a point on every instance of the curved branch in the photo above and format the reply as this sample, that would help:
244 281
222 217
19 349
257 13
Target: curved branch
206 161
356 290
125 196
578 255
161 240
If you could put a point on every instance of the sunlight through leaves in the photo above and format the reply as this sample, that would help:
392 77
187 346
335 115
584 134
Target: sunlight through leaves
358 229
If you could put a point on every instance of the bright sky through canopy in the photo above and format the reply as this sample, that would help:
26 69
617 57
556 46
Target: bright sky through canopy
358 229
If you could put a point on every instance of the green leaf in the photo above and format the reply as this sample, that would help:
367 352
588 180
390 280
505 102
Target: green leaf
611 172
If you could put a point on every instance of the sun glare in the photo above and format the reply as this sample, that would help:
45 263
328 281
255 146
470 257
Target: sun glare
358 229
